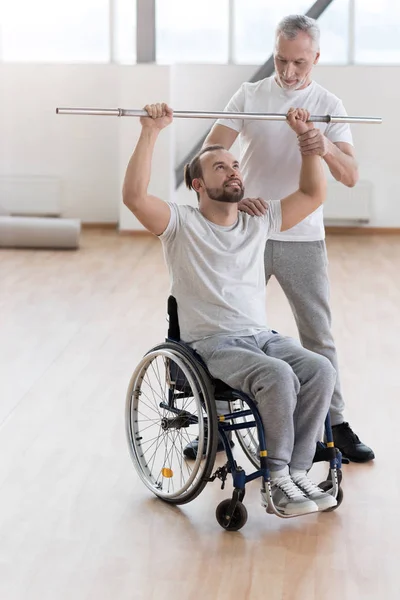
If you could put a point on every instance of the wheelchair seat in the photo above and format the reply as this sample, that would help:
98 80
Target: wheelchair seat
222 391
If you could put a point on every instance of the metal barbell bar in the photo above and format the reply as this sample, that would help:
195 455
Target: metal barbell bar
191 114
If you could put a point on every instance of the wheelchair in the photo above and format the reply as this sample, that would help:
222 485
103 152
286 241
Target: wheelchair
171 401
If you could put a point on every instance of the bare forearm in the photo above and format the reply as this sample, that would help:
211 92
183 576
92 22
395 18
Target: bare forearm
342 166
312 177
137 177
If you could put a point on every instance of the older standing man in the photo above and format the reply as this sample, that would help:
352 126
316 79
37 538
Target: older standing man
271 164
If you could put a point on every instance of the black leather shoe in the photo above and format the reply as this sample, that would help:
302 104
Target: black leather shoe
350 444
190 451
323 454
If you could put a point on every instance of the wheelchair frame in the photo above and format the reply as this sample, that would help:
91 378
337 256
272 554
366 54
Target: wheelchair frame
231 514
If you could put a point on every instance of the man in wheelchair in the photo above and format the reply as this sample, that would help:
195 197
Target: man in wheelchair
214 254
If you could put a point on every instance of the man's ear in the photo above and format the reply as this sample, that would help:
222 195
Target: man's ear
197 184
316 59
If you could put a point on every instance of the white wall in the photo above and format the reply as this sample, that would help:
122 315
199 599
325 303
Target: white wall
90 154
82 151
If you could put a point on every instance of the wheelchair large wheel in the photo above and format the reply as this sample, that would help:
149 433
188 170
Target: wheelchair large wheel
169 402
247 437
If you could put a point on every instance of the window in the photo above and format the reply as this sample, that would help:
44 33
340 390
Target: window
377 32
74 31
255 22
192 31
334 24
124 38
55 31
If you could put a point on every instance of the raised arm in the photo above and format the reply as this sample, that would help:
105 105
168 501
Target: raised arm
312 185
339 156
152 212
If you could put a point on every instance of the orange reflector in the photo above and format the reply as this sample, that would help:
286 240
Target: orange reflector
167 472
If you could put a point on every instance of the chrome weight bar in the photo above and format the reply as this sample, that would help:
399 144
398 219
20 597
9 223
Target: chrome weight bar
191 114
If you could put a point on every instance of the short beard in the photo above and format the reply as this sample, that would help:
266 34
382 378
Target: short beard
295 87
224 195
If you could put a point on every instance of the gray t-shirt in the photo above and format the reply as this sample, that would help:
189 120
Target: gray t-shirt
217 273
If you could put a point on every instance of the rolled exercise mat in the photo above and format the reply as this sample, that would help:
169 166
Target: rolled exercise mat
36 232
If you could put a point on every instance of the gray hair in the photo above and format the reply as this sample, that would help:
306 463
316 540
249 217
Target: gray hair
291 26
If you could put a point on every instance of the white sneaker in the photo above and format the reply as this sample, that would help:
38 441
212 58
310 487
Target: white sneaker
289 499
311 490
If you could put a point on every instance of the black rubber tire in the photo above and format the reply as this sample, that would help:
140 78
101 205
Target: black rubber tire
239 517
205 388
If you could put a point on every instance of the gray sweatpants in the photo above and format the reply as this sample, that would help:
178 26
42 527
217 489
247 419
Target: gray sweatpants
291 386
301 270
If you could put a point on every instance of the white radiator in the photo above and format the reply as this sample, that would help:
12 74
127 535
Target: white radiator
30 195
348 205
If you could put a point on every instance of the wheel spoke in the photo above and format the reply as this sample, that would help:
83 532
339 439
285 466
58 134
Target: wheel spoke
160 378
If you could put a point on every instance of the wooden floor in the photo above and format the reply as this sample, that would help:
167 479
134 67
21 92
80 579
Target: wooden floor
76 523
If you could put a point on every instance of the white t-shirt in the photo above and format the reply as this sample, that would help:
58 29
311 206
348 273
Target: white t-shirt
217 273
269 155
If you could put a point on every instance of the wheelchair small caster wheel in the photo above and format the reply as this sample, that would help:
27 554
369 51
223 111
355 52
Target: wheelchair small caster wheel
238 518
326 486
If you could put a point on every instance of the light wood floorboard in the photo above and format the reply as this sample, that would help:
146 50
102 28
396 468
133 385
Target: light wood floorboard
76 523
